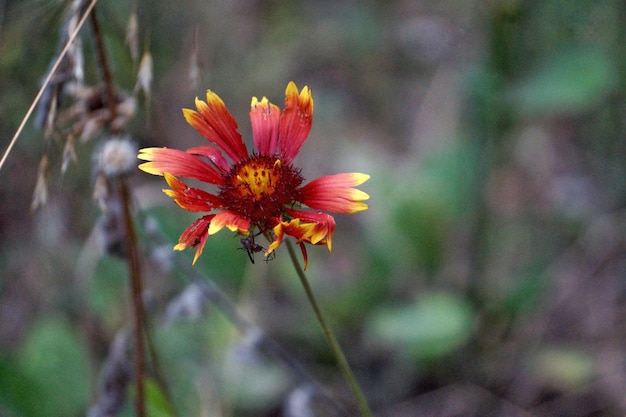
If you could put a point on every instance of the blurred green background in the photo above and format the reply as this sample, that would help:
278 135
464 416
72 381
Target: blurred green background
488 277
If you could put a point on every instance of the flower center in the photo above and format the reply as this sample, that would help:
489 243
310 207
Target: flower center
256 180
259 187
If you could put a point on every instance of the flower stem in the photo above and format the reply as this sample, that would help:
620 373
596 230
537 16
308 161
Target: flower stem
330 336
138 309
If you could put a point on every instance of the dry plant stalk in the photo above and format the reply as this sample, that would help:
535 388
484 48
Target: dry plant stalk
69 110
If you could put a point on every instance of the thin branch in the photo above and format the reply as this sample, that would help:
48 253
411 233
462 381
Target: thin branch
138 309
104 64
46 82
330 336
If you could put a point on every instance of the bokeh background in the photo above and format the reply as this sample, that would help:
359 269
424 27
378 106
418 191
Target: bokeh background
488 277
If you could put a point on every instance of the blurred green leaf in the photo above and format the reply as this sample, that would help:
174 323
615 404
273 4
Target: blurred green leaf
527 291
54 360
563 367
440 190
571 80
156 401
16 391
421 222
434 325
362 296
253 383
108 289
187 350
224 260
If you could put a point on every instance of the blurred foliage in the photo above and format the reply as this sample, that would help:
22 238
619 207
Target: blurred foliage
488 272
431 327
50 375
569 81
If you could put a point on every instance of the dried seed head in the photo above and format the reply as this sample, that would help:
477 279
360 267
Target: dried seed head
132 36
126 108
69 153
144 77
116 157
40 195
101 191
195 70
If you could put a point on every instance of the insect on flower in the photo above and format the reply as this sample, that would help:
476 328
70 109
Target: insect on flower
251 247
258 193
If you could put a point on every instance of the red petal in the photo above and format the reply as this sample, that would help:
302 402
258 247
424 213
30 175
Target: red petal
179 164
233 221
190 198
195 235
295 121
317 228
335 193
212 154
311 226
214 122
305 256
264 117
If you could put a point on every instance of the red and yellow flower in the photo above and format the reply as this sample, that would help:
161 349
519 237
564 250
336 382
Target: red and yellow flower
260 193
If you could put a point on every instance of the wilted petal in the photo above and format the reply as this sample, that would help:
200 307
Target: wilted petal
317 227
195 236
310 226
307 227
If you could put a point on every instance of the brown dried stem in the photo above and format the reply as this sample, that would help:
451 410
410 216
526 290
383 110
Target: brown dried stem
104 64
134 270
132 257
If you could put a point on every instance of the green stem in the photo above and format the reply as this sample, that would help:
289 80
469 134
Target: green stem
330 336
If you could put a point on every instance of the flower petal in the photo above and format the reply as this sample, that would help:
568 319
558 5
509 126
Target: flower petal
264 118
305 256
233 221
279 231
279 234
318 227
212 154
335 193
195 235
177 163
295 121
214 122
190 198
311 226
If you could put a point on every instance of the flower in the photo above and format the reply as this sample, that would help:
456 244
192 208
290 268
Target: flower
261 193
